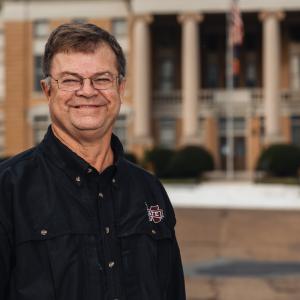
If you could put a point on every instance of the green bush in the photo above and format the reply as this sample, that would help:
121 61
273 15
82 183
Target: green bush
280 160
3 159
131 157
159 159
190 162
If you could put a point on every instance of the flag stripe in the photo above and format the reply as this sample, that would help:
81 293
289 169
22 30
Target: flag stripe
236 29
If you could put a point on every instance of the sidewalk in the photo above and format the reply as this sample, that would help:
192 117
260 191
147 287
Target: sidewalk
221 226
240 195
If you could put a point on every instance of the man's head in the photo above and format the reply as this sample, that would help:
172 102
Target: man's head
84 68
78 37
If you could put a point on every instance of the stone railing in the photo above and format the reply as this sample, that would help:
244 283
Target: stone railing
290 96
212 97
167 97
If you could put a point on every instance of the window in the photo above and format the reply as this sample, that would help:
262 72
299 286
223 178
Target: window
40 28
79 20
119 28
251 69
212 70
295 71
167 133
239 126
40 125
120 129
295 120
2 66
38 72
166 75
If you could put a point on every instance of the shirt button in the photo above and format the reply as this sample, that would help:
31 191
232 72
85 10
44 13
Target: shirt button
77 179
107 230
89 170
153 231
100 195
113 180
44 232
111 264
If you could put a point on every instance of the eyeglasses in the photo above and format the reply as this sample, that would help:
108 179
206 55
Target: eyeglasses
73 83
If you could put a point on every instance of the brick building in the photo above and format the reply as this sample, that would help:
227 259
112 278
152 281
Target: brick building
176 91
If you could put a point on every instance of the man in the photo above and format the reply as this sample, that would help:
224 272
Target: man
77 220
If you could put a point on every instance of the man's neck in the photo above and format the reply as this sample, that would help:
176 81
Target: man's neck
97 153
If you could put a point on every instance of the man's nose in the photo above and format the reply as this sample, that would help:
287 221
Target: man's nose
87 88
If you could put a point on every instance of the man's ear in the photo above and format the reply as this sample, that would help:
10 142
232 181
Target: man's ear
122 86
46 88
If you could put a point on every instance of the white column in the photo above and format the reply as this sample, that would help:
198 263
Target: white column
271 75
142 80
190 77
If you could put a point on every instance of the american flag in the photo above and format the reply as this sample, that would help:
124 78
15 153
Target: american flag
236 26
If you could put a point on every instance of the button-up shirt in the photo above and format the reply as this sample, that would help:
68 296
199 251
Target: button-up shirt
70 232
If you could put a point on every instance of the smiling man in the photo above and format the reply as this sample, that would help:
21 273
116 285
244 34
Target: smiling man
77 220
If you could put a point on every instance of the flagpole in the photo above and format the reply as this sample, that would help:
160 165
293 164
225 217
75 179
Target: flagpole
229 105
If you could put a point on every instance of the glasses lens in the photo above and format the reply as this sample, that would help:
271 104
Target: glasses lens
103 81
69 83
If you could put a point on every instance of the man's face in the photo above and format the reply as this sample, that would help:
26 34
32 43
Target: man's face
86 112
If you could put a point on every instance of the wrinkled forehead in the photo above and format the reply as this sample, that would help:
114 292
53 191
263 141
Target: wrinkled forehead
100 57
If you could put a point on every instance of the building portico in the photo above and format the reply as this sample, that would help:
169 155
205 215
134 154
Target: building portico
176 92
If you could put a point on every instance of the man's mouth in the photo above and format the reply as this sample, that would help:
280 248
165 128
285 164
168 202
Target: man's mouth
87 106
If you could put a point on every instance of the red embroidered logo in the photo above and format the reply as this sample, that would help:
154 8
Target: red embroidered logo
155 214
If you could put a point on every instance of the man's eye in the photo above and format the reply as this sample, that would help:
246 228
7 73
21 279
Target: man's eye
102 79
70 81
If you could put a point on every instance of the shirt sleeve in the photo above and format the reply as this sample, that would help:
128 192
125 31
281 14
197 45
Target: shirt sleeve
176 287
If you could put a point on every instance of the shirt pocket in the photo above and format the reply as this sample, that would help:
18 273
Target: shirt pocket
146 261
58 264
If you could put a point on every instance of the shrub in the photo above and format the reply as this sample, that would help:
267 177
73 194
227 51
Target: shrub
159 159
190 162
131 157
280 160
3 159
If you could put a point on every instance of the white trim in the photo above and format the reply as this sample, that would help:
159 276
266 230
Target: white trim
27 10
32 10
180 6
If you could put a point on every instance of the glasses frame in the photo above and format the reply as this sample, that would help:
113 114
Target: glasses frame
118 78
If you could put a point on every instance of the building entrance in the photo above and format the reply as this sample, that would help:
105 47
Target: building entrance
239 157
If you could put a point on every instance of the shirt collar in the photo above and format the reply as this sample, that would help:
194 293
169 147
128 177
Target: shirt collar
72 164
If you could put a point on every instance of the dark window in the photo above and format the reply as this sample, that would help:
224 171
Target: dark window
38 72
167 133
295 120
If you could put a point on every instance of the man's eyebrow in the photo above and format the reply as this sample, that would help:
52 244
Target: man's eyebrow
78 75
69 73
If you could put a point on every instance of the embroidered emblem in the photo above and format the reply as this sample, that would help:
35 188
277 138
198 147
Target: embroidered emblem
155 213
